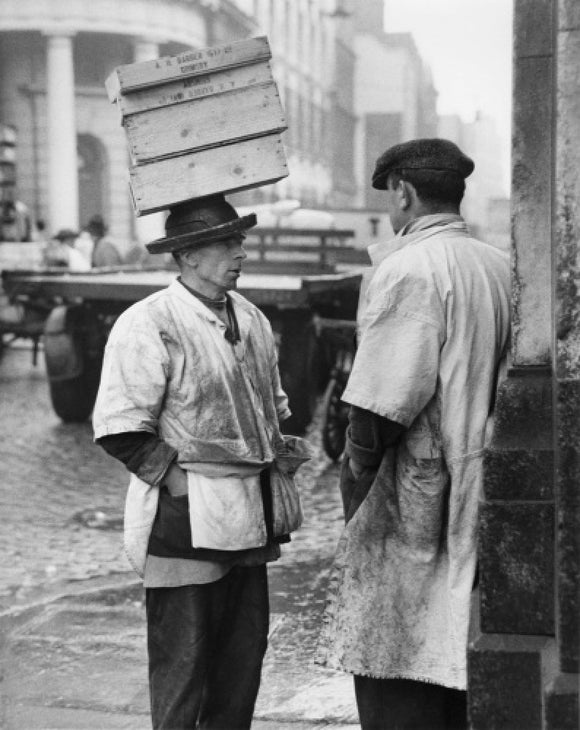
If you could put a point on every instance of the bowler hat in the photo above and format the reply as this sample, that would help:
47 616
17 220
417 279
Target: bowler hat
200 221
421 154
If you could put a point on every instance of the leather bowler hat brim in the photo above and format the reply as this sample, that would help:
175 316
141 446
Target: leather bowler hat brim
170 244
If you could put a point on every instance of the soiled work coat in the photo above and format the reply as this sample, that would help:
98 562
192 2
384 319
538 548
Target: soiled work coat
433 329
169 370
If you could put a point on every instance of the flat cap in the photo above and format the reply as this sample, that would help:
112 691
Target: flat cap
421 154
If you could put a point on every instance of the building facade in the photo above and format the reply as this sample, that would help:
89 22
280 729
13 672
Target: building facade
485 195
72 158
395 97
313 62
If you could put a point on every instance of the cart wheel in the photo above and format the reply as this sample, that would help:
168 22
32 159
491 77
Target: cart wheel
72 400
73 362
335 418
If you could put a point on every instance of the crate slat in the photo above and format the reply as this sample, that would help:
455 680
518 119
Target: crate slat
195 87
207 122
131 77
229 168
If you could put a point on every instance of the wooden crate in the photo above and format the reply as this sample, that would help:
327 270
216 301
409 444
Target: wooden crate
227 168
203 122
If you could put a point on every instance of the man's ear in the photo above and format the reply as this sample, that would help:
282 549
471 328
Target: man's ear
189 257
405 194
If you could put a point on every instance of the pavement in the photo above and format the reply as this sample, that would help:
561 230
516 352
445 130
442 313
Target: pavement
72 625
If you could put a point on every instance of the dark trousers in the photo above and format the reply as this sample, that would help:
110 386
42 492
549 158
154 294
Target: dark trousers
206 644
403 704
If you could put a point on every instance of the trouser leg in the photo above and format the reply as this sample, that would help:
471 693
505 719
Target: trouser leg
404 704
178 639
206 644
234 677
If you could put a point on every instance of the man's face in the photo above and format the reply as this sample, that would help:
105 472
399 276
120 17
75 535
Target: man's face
215 268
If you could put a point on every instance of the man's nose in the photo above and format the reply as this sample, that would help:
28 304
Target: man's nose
241 252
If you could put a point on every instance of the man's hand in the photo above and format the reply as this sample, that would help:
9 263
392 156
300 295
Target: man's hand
176 481
356 468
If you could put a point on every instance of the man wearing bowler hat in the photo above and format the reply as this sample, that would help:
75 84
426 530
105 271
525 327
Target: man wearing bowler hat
433 328
190 401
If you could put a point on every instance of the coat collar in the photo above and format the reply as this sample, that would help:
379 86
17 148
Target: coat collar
242 306
417 230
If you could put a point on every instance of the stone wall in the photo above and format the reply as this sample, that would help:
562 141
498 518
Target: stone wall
523 651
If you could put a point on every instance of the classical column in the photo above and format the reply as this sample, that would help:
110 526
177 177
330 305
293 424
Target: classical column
152 226
63 195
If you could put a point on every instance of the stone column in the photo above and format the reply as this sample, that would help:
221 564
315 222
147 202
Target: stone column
152 226
523 650
63 195
566 350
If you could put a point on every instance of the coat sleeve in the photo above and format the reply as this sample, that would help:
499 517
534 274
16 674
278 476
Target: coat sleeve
395 369
134 376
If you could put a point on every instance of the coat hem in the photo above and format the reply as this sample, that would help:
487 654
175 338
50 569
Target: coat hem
393 674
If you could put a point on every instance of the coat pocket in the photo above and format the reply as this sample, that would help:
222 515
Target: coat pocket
171 533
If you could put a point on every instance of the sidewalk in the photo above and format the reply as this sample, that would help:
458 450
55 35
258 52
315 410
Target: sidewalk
78 662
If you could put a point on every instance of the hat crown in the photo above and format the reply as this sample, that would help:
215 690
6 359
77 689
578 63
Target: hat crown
199 215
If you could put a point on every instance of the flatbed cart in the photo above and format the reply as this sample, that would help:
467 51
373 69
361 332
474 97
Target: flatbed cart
83 308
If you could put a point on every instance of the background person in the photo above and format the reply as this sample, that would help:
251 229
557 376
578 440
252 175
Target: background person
104 250
433 327
60 251
190 395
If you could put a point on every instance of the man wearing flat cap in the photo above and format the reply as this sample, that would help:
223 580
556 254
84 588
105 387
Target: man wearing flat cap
190 401
433 328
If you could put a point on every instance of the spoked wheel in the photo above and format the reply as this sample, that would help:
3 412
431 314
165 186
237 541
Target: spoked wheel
335 418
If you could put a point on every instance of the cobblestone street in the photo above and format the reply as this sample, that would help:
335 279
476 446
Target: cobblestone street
62 504
53 480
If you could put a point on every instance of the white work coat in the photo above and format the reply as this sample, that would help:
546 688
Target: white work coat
433 328
169 370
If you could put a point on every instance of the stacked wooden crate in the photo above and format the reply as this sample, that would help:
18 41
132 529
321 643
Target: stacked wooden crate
203 122
7 164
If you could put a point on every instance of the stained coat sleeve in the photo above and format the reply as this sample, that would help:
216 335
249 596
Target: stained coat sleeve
395 370
134 376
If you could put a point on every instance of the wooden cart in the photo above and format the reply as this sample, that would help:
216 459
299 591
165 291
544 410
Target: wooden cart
295 281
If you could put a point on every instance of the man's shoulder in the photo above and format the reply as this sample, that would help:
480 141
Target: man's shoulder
240 301
147 310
